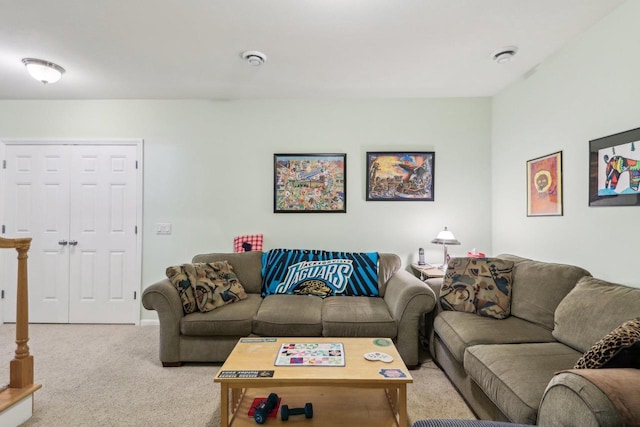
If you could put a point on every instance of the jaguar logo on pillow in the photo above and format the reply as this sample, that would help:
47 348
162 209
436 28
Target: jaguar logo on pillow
320 273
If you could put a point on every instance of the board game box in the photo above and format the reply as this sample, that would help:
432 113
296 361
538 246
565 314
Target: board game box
311 354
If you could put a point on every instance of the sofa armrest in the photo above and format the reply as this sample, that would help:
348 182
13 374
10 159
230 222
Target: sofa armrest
573 398
408 299
163 297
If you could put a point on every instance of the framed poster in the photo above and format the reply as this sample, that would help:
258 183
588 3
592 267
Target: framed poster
544 185
400 176
307 183
614 170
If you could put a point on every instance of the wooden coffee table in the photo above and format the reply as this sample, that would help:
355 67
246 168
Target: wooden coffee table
354 394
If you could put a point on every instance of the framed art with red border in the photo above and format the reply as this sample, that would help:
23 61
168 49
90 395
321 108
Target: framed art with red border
544 185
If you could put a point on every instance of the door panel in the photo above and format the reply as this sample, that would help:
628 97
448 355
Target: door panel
36 206
103 268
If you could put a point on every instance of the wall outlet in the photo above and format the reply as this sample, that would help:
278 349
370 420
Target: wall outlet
163 228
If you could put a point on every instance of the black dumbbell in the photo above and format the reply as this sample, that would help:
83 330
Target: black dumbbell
264 407
307 411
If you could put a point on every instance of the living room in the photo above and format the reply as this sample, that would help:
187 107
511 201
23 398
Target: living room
208 163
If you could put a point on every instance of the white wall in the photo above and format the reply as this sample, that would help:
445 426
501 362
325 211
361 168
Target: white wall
208 169
588 90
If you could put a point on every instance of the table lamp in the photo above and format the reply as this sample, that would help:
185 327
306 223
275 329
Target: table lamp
445 237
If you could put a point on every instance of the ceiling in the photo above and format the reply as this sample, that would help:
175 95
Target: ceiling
184 49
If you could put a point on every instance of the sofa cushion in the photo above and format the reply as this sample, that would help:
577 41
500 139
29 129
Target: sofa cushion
620 348
600 305
289 316
538 287
320 273
478 285
205 286
357 317
229 320
246 265
514 376
461 330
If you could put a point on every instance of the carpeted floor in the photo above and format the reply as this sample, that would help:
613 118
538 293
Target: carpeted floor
110 375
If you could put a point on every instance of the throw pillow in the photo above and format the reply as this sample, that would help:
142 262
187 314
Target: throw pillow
206 286
319 273
620 348
478 285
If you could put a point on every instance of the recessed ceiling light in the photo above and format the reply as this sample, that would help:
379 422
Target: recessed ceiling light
253 57
43 71
504 55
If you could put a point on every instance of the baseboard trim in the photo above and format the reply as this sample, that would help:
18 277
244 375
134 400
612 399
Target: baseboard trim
150 322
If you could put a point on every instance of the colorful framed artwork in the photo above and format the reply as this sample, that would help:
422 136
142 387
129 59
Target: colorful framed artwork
544 185
614 170
310 183
400 176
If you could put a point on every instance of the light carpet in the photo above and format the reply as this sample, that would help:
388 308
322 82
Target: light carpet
110 375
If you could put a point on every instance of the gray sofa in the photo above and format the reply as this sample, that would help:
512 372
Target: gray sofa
210 336
514 369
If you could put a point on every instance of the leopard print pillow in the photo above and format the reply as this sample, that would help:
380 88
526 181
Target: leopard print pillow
620 348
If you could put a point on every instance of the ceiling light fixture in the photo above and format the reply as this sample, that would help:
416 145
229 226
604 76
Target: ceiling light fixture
253 57
504 55
43 71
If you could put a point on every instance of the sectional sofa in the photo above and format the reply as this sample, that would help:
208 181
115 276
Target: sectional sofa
210 336
519 369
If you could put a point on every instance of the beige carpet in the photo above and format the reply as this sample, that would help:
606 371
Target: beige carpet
109 375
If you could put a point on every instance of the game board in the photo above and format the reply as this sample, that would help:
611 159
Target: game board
311 354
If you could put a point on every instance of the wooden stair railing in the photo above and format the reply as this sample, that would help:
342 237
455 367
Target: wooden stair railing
21 367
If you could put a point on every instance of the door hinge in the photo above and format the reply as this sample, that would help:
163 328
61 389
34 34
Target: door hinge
135 295
4 164
136 230
136 164
2 294
3 229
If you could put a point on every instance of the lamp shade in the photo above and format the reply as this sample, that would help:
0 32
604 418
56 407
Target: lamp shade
445 237
43 71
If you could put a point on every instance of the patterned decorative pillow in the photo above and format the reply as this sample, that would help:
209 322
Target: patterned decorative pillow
205 286
320 273
478 285
620 348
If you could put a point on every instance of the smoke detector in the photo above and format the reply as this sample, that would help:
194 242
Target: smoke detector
504 55
253 57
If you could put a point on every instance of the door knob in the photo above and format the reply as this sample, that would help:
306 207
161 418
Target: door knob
62 242
73 242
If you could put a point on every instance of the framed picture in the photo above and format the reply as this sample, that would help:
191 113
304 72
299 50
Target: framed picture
306 183
614 170
400 176
544 185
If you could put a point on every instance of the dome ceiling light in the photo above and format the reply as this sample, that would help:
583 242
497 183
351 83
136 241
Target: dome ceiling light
253 57
43 71
504 55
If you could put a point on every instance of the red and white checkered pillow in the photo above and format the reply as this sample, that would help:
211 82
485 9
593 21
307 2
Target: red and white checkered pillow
248 242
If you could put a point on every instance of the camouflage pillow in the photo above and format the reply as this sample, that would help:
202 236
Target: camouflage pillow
205 286
478 285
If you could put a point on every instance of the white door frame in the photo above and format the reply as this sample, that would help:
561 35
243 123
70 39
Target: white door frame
139 143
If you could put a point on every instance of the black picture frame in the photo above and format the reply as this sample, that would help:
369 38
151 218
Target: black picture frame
402 176
614 169
310 183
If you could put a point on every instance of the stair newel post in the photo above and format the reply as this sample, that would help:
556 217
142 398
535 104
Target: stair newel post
21 367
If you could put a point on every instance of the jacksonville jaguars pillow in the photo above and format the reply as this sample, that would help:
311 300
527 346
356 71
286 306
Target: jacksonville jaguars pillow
320 273
620 348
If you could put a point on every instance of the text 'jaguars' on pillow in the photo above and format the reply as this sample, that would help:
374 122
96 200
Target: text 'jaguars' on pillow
320 273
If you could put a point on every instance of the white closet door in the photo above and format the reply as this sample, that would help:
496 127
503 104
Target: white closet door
79 205
102 236
36 205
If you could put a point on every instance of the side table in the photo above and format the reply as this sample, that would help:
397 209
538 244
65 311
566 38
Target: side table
426 271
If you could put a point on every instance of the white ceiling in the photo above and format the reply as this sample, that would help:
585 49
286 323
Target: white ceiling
316 48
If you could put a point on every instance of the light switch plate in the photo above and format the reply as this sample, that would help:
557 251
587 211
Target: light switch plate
163 228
